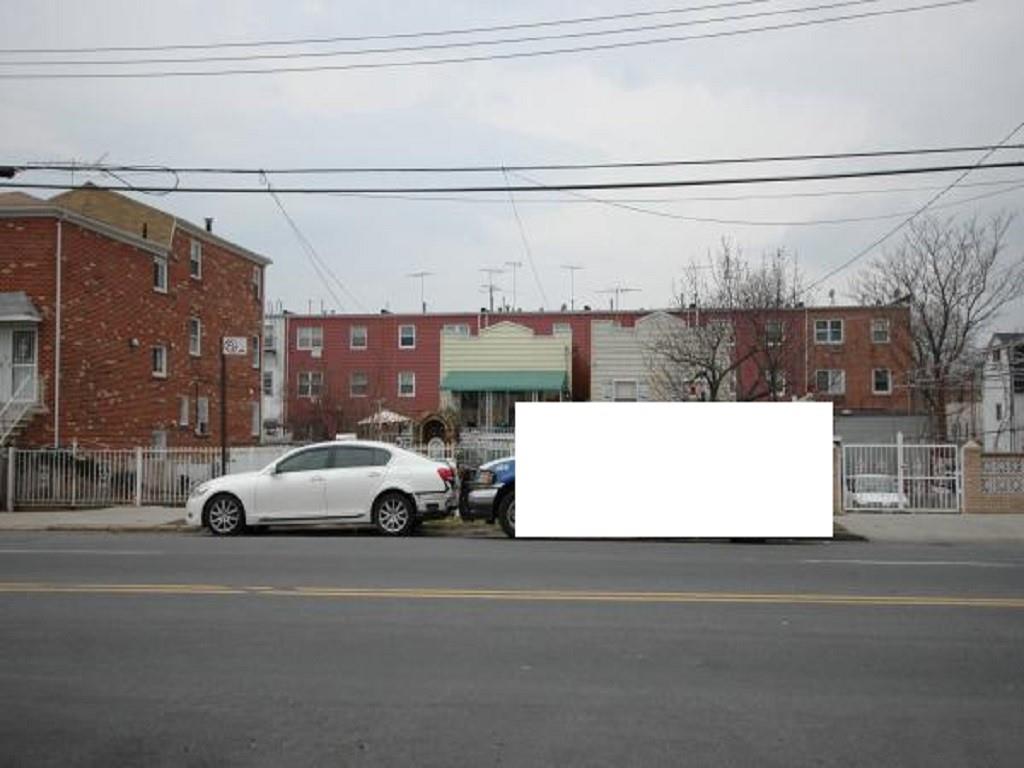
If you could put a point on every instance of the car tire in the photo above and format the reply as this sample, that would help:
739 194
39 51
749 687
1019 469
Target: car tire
393 514
507 514
225 515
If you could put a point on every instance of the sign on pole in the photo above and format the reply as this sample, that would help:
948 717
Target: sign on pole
235 345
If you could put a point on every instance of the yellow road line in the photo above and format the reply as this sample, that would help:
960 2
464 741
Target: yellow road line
523 595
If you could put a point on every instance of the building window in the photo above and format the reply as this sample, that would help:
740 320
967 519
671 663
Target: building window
773 333
880 331
622 391
881 381
195 260
268 383
357 337
311 383
557 328
776 382
828 331
358 384
183 411
160 275
257 283
310 337
407 384
407 337
195 336
830 381
455 329
255 351
202 416
999 411
159 440
254 422
160 362
996 356
268 337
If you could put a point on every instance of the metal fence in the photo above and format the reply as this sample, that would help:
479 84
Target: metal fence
900 477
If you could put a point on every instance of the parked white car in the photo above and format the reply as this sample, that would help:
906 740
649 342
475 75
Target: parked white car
353 481
877 492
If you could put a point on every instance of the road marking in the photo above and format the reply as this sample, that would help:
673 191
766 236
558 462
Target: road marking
104 552
966 563
524 595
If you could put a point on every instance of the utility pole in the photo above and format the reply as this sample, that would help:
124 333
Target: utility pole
421 276
491 272
617 291
572 269
515 265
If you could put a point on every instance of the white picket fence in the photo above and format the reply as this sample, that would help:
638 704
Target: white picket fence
69 478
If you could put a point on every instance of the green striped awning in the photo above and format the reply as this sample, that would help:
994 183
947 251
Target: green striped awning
505 381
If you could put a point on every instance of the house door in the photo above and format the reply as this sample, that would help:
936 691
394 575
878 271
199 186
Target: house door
23 364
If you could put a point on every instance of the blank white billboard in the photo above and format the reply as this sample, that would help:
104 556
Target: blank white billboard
733 470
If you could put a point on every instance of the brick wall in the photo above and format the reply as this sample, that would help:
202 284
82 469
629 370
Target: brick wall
994 482
111 319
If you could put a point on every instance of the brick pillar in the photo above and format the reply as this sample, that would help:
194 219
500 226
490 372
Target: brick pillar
972 478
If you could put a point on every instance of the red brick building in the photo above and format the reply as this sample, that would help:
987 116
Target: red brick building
342 368
130 305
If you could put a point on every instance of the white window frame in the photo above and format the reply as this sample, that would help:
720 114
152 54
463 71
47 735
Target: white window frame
412 393
314 337
256 358
254 425
159 372
195 259
880 323
615 394
269 337
455 329
160 268
352 337
158 440
874 388
268 376
999 412
832 377
352 384
402 328
829 325
311 377
202 415
195 340
782 333
183 410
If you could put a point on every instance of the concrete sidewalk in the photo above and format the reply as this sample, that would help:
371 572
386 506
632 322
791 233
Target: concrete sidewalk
935 528
110 519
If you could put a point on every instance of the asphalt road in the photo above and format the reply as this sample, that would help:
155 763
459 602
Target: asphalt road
348 649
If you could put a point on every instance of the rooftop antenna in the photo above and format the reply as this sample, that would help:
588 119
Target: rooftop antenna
617 292
572 269
515 265
422 276
491 272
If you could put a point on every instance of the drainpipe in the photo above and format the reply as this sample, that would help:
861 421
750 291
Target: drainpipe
56 339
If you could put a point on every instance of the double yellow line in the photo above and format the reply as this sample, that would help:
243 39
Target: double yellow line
522 595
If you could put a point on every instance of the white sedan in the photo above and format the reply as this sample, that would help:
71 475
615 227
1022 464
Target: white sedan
338 482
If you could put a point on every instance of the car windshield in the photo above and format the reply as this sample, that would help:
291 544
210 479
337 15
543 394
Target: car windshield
875 484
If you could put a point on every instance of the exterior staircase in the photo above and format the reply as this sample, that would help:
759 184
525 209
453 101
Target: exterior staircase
17 412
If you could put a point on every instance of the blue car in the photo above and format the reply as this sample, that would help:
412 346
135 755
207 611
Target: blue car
491 495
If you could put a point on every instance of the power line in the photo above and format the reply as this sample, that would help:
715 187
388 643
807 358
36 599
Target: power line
478 58
326 170
388 36
526 246
671 183
433 46
865 251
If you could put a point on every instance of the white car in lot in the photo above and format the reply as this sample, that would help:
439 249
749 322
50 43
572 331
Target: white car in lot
353 481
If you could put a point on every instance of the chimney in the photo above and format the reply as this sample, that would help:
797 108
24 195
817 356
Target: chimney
209 223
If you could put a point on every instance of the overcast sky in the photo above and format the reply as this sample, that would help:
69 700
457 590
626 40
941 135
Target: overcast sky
948 76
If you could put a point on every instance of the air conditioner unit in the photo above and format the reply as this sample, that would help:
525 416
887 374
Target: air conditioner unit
316 351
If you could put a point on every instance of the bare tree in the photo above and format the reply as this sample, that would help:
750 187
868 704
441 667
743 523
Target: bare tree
735 321
954 279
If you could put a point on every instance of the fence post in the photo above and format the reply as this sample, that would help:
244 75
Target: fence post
11 454
74 472
899 471
138 477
